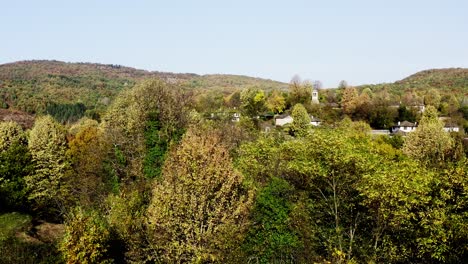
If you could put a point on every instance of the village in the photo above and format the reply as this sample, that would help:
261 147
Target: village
281 121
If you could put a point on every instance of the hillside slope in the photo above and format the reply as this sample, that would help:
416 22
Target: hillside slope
448 82
31 86
452 78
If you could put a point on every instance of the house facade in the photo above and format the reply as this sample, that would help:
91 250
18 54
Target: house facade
451 128
315 121
281 121
405 126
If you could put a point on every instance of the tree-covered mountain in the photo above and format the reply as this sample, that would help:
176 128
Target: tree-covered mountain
33 86
69 91
452 78
446 81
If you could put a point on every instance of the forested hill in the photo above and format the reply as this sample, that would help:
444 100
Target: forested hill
38 69
453 78
32 86
450 80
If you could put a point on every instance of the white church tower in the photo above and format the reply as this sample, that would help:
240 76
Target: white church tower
315 96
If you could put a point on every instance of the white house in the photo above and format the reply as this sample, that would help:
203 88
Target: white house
404 126
315 121
236 117
281 121
451 128
421 108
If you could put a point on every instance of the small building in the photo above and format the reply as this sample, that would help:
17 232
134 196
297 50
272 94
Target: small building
378 132
420 107
451 128
283 120
236 117
315 121
404 126
315 96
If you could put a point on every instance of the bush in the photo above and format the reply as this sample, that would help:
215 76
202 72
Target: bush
13 250
11 223
87 238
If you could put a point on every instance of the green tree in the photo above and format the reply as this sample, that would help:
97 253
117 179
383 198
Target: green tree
233 100
151 110
382 115
328 165
10 133
209 101
199 208
410 98
48 185
432 98
259 160
276 103
349 100
394 195
271 238
125 213
453 105
299 92
444 229
429 143
301 119
343 84
15 164
363 105
88 151
87 238
253 101
405 114
323 168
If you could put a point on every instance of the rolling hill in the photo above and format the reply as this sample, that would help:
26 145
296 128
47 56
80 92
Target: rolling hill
39 86
448 82
31 86
446 79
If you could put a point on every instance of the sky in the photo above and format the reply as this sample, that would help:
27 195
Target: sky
360 41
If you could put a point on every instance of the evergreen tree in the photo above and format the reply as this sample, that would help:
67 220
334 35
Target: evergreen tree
301 119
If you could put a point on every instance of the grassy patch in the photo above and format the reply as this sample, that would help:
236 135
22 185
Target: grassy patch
10 223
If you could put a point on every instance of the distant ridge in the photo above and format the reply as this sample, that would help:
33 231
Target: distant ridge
35 68
31 85
450 78
29 69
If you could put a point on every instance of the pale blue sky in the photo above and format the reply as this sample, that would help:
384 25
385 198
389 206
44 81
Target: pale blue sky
361 41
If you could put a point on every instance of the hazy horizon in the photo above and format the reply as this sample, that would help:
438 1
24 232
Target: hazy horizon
362 42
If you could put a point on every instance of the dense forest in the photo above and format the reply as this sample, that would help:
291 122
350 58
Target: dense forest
128 166
31 86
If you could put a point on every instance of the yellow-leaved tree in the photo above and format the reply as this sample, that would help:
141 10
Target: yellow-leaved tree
301 119
48 185
349 100
276 103
10 133
151 110
200 207
87 152
429 143
15 163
